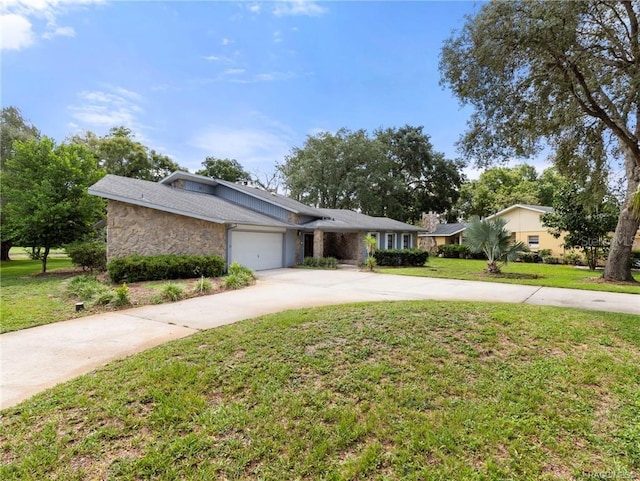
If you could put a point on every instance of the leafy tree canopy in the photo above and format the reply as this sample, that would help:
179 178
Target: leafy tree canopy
46 187
500 187
586 227
225 169
13 128
562 75
394 173
119 153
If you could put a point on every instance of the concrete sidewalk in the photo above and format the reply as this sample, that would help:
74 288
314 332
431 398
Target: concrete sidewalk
34 359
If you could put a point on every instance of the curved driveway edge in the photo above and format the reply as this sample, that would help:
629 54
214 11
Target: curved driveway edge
32 360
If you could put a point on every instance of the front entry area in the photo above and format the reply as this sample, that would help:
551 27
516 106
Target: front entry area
257 250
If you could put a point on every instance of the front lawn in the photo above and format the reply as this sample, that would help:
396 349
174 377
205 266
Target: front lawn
418 390
548 275
29 299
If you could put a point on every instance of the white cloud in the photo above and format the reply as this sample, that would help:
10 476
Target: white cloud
30 18
233 71
15 32
216 58
277 36
247 145
113 106
226 41
298 8
254 8
59 32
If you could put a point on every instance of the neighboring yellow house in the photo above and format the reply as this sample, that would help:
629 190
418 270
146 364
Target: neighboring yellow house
442 234
525 224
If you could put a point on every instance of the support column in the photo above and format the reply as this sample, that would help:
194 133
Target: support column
318 243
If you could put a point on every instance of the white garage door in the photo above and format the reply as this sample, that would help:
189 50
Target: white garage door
257 250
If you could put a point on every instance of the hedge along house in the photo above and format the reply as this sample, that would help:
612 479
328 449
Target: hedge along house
190 214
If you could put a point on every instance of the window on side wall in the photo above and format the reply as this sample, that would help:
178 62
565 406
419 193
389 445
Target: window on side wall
389 241
533 241
406 241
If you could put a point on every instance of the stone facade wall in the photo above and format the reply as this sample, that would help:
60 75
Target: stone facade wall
318 243
133 229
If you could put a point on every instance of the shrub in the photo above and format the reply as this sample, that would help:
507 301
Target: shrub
545 253
371 263
88 255
573 258
551 260
88 288
122 295
321 262
453 251
203 285
238 277
635 259
529 257
172 292
152 268
401 257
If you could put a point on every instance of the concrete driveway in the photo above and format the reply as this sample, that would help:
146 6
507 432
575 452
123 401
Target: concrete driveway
34 359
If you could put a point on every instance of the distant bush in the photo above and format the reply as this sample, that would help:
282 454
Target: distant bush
573 258
88 255
635 259
551 260
545 252
454 251
529 257
401 257
321 262
238 276
152 268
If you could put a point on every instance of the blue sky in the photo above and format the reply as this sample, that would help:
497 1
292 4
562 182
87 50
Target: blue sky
244 80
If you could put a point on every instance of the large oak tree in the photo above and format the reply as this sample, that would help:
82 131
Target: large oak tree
395 173
564 75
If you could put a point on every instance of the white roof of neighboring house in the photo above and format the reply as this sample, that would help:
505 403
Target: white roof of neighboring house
542 209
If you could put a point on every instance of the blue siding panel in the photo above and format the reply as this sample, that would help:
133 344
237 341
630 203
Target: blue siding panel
253 203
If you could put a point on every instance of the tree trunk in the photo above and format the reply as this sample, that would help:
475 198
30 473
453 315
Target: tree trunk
618 267
5 247
44 256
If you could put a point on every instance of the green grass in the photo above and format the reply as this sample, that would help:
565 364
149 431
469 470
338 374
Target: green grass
27 300
419 390
516 273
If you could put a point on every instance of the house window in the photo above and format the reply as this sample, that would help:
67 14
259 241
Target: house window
389 241
533 240
406 241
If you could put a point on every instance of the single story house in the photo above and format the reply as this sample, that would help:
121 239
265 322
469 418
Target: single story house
442 234
191 214
525 223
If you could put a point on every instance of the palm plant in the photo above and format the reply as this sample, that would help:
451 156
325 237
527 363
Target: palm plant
490 237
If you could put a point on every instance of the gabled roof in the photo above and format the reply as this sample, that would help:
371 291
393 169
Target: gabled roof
344 220
258 193
445 230
542 209
177 201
